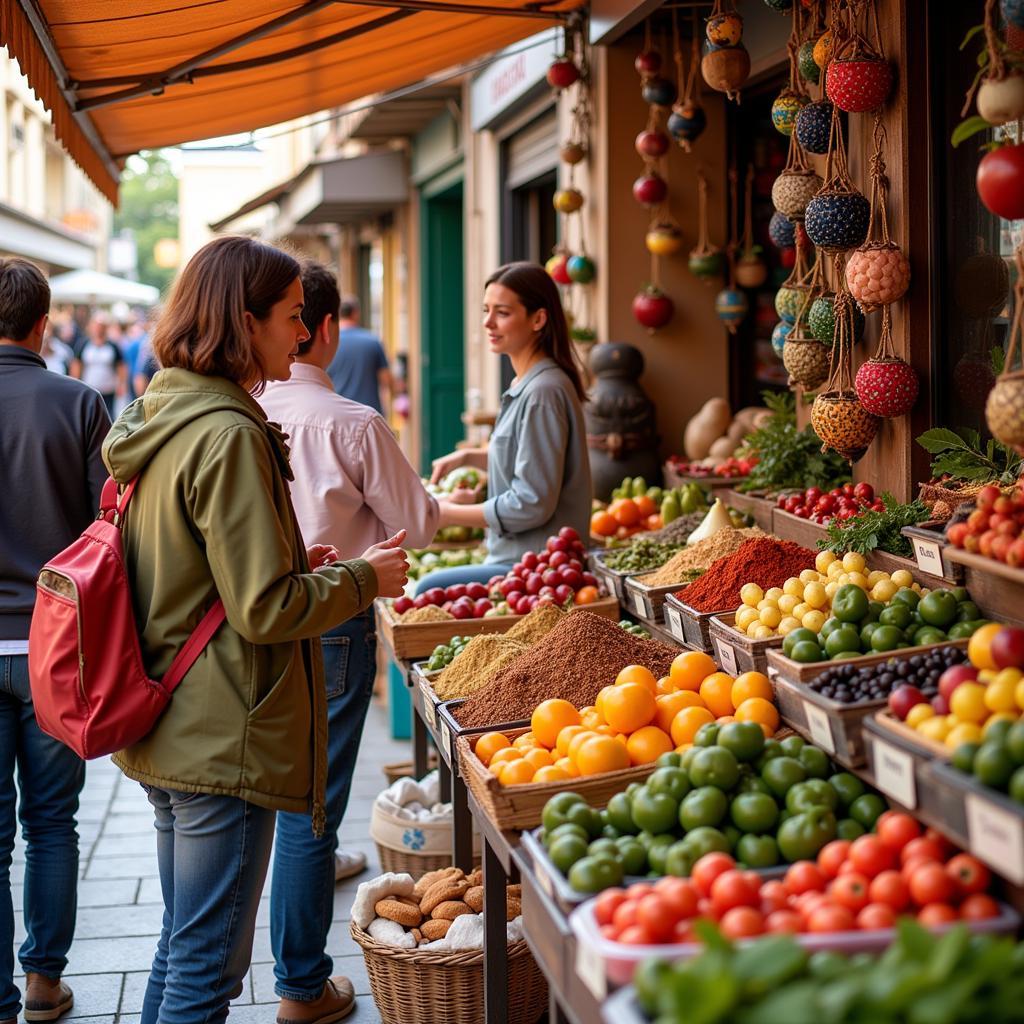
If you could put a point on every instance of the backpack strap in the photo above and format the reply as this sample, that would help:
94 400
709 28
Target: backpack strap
194 645
112 507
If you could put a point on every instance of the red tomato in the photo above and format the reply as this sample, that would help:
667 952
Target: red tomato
829 917
784 921
930 884
925 847
706 910
624 915
742 923
733 889
708 868
896 829
850 890
679 893
876 916
947 848
937 913
638 890
848 868
890 888
912 865
806 903
804 876
609 931
636 936
1000 181
774 896
654 913
979 907
607 903
870 855
684 932
832 855
970 875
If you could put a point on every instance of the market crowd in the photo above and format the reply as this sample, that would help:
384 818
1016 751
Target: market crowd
248 412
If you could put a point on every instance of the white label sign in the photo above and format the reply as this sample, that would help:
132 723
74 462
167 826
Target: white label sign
446 741
997 837
639 606
819 726
929 556
727 656
590 968
675 623
894 773
543 880
428 707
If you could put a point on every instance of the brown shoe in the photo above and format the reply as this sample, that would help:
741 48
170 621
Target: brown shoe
46 998
337 1000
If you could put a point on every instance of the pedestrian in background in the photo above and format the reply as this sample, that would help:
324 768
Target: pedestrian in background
245 733
100 363
359 370
51 475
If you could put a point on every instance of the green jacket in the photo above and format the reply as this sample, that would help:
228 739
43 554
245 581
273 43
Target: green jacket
212 516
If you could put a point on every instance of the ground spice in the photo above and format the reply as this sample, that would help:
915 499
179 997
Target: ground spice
536 625
575 661
762 560
428 613
676 532
640 556
473 668
697 557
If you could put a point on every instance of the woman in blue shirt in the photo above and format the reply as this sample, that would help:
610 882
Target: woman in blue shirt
537 465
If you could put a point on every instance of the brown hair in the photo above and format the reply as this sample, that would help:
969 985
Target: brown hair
320 298
532 283
202 327
24 298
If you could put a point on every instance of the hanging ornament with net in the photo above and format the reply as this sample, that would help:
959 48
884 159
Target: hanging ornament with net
821 314
725 66
793 98
576 148
705 259
886 385
798 183
730 303
687 121
810 73
1004 410
878 272
655 88
751 271
804 357
858 78
651 188
791 296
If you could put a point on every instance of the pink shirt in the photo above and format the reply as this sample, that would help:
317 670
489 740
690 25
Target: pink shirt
353 485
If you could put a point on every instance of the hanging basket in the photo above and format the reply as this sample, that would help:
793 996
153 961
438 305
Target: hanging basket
837 220
751 271
821 320
843 424
786 109
877 274
779 335
781 229
813 124
886 386
809 70
805 359
686 123
732 306
724 29
726 69
1004 409
792 192
789 300
857 85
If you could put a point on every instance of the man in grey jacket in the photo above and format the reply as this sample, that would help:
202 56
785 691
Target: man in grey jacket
51 474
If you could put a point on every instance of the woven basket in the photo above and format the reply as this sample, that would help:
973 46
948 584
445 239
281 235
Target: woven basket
415 864
423 986
403 769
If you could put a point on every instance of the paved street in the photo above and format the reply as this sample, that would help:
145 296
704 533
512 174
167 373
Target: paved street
119 895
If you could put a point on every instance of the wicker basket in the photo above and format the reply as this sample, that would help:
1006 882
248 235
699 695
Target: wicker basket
424 986
415 864
404 769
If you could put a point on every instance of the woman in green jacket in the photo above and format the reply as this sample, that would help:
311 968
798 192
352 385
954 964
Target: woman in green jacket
245 733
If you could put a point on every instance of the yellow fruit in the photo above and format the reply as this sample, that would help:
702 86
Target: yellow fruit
843 578
762 632
835 570
766 602
877 576
813 621
1019 695
773 594
968 703
602 754
687 722
750 684
787 625
809 576
771 617
815 596
787 603
830 590
935 728
751 593
539 757
859 579
883 591
599 701
578 740
987 675
550 717
924 591
757 709
902 578
1000 693
565 738
669 705
823 559
793 587
753 628
918 713
801 610
637 674
745 616
965 732
648 744
517 773
853 562
999 716
567 766
629 707
665 685
506 754
526 742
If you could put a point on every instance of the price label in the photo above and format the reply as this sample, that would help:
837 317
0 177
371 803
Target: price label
675 623
894 773
638 604
543 879
429 715
590 968
727 656
996 836
819 726
929 556
446 741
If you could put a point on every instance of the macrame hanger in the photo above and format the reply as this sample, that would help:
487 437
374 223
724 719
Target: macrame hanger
691 78
879 218
1017 324
840 377
733 244
703 246
748 211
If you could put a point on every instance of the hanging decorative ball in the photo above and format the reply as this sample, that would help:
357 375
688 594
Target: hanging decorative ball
859 84
705 264
1013 12
650 189
886 387
751 271
726 69
813 126
973 380
648 63
651 142
557 269
806 361
1000 181
821 320
837 221
788 302
731 306
877 275
793 190
581 269
823 50
843 424
982 285
563 73
686 122
779 335
785 109
573 152
1001 99
724 29
659 92
806 64
1004 410
781 231
567 200
652 308
787 257
663 239
780 5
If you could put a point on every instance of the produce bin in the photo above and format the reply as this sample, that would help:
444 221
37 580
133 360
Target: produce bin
646 602
611 580
734 651
687 625
757 505
449 729
804 532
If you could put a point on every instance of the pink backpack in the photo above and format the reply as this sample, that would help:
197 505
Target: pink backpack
89 687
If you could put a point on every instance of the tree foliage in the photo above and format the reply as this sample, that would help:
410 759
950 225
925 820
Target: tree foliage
149 209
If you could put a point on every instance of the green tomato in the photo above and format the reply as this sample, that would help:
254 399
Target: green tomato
586 817
938 608
803 835
556 810
811 793
686 757
847 828
792 745
706 735
848 787
963 757
967 611
815 762
632 854
650 979
654 812
1016 786
754 812
875 609
829 626
566 829
657 851
705 839
733 834
782 773
898 615
772 749
806 652
797 636
594 874
678 860
566 850
906 596
610 832
929 635
886 638
865 634
758 851
843 639
705 806
1015 742
604 846
993 765
962 630
867 809
620 815
752 784
669 760
850 603
745 740
714 766
672 781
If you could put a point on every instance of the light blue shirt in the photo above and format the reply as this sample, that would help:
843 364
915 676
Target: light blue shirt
353 370
537 465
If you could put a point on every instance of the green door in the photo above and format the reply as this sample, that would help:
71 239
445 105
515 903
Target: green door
443 379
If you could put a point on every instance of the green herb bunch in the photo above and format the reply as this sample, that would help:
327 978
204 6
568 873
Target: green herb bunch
870 530
960 454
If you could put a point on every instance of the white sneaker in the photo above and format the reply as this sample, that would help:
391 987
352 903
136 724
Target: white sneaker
348 864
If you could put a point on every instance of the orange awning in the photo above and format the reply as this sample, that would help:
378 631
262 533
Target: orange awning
139 74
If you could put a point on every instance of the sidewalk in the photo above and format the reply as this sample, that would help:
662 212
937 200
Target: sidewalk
119 905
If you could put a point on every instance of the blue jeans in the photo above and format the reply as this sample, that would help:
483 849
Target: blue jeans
213 853
302 882
50 777
462 574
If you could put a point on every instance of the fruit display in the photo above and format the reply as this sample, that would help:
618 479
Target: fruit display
741 800
822 506
714 433
636 508
877 528
443 654
460 600
731 467
998 762
422 562
993 528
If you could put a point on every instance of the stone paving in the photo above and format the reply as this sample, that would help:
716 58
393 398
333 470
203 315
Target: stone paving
119 905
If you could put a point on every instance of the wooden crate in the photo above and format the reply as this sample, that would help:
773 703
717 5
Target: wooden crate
418 640
734 651
611 580
804 532
449 728
688 625
931 553
673 478
997 588
757 505
648 602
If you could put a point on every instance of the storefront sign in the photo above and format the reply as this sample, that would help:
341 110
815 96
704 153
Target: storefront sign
819 727
929 556
996 837
894 773
509 79
727 657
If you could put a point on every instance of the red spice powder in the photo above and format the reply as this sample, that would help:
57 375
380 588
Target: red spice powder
761 560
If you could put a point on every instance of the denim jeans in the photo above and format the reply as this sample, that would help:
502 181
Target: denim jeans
213 853
302 883
50 777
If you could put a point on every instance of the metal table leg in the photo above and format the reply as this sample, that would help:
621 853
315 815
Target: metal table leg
495 941
462 824
444 780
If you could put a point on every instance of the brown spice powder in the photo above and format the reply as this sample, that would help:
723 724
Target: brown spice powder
699 556
429 613
473 668
537 624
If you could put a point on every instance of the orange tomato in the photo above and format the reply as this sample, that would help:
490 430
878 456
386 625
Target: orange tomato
599 700
979 647
625 511
654 522
551 773
578 740
666 685
637 674
539 757
517 773
750 684
716 692
629 707
526 742
562 743
648 744
687 722
670 704
601 754
690 669
757 709
585 595
489 744
504 755
550 717
645 505
603 524
725 719
567 766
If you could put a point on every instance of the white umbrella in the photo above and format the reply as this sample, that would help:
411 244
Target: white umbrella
95 288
